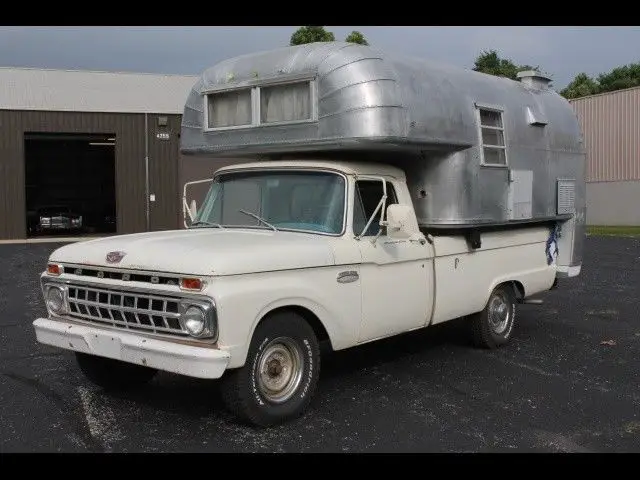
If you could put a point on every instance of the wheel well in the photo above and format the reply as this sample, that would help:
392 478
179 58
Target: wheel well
308 315
518 289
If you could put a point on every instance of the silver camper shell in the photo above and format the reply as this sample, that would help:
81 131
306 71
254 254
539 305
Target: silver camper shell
478 151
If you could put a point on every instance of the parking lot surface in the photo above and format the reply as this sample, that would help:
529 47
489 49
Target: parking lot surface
568 382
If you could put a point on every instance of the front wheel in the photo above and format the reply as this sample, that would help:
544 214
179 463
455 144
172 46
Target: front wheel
280 375
493 326
113 374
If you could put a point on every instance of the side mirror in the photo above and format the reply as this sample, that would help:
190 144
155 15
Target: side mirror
402 223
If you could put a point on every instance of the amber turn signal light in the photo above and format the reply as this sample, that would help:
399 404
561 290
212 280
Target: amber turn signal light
191 284
53 269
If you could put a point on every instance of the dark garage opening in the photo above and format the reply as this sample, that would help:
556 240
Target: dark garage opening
70 184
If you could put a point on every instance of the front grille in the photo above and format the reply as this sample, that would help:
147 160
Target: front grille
129 310
124 276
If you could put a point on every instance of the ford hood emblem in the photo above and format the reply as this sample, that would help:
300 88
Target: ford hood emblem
115 257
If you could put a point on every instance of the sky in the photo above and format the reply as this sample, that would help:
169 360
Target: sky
562 52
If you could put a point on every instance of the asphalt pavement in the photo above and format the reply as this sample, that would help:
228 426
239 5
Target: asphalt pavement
568 382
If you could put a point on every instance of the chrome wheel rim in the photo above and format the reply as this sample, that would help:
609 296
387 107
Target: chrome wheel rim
279 370
499 314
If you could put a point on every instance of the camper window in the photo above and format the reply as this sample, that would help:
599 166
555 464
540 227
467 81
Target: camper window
492 141
285 103
229 109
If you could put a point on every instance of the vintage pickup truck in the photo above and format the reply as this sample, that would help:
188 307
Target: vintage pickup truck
376 196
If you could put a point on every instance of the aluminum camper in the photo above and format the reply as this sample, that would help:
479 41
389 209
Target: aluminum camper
377 195
478 150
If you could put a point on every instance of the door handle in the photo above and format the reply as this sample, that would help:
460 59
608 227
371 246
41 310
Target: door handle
348 276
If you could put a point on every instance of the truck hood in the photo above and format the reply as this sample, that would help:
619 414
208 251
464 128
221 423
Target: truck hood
203 251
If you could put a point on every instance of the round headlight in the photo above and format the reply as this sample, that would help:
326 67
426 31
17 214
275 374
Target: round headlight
193 320
55 300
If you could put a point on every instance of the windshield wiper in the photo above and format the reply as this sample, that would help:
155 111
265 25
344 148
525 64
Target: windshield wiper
208 224
259 218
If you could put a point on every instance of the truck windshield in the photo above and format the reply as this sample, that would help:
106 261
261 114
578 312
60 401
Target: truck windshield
283 200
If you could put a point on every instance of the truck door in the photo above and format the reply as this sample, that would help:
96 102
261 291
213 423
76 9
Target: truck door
395 275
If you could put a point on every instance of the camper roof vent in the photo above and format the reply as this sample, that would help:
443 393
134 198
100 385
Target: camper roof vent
534 79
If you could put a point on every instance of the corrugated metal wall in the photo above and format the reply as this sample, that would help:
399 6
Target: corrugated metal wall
611 127
130 165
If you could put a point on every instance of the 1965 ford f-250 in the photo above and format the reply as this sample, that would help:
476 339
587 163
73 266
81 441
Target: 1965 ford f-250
298 248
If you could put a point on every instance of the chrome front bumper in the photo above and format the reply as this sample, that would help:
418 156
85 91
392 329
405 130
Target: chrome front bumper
192 361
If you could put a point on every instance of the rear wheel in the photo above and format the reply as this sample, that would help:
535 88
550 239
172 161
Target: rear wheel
280 375
493 326
113 374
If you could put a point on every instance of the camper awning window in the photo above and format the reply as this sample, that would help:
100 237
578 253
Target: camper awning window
229 109
253 106
285 103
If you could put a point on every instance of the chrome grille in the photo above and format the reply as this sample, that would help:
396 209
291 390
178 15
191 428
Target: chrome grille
122 275
125 309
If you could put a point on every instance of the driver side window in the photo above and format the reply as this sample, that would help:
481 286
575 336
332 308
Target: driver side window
367 195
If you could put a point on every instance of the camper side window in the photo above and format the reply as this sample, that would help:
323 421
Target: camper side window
367 196
229 109
285 103
493 147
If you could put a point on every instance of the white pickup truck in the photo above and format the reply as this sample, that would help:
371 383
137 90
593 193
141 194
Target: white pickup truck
433 194
252 296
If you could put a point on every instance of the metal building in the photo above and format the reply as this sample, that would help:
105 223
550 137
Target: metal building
105 145
610 124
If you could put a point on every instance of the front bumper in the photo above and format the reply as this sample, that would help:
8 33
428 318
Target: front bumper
192 361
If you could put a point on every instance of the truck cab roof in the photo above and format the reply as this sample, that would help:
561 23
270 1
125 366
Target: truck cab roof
345 167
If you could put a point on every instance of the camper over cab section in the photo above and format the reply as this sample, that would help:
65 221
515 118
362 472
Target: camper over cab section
477 150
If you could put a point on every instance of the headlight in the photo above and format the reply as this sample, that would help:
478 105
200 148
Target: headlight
193 321
55 301
198 319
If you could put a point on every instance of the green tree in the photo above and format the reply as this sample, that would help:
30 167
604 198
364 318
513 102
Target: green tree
309 34
356 37
490 62
619 78
581 86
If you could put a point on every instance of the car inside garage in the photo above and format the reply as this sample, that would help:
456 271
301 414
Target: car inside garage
70 184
